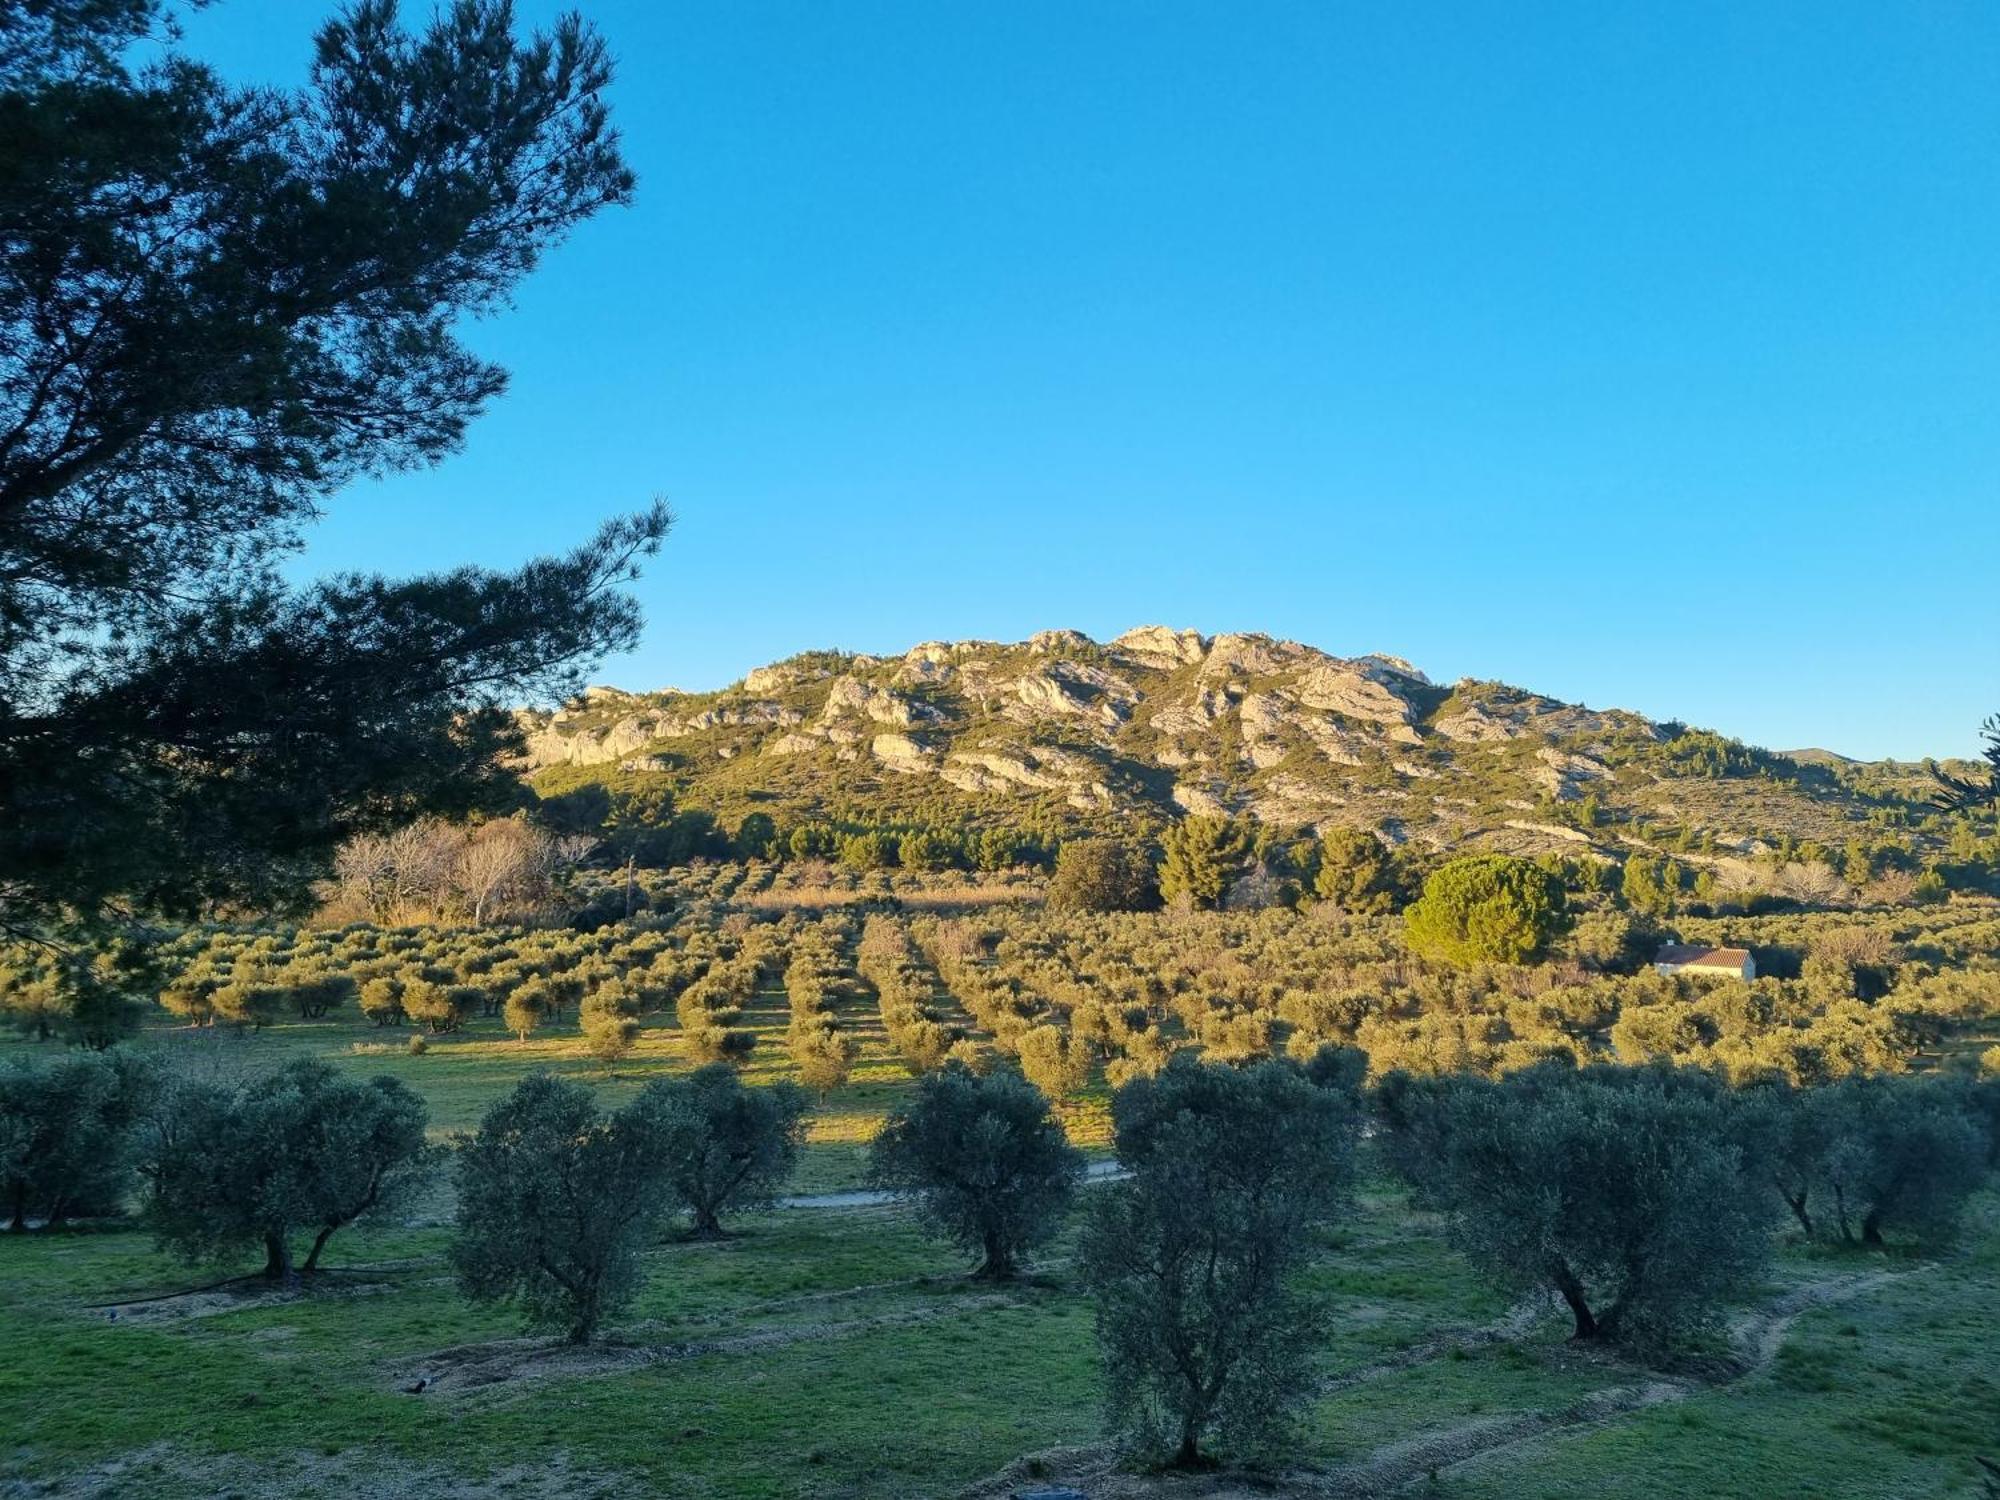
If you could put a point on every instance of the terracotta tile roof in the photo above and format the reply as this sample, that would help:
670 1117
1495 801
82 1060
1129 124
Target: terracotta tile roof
1701 953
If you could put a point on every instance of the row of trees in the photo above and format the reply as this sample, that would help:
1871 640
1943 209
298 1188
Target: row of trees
1644 1197
551 1193
906 992
642 824
278 1165
821 1049
1075 995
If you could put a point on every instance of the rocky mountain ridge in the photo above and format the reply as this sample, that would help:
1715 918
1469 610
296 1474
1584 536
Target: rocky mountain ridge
1157 723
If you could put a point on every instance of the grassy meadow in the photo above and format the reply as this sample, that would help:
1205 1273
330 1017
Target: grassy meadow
834 1351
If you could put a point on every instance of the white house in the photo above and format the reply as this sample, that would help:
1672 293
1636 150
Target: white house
1696 958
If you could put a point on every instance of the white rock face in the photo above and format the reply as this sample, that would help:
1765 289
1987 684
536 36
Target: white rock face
1549 830
1393 666
1287 799
1162 648
1254 655
1341 688
781 675
1071 690
1563 776
1202 708
1265 714
1041 769
901 753
1241 721
1198 800
549 746
1474 726
849 696
1262 754
746 716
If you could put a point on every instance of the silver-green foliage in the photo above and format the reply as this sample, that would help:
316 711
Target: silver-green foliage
1193 1259
555 1201
1627 1191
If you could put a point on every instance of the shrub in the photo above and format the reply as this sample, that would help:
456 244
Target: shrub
524 1011
382 1000
1054 1061
1101 874
1355 872
1199 857
608 1021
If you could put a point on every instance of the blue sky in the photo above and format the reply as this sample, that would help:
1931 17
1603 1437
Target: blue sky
1644 355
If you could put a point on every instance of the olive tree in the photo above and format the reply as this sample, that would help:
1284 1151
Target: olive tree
1627 1191
608 1019
91 999
555 1201
1899 1154
726 1145
822 1053
301 1151
986 1163
66 1135
1192 1260
1102 874
1055 1061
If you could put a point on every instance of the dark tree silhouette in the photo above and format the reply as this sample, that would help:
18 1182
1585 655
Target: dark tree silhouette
217 307
1967 793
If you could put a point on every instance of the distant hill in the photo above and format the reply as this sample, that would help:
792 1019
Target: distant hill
1062 731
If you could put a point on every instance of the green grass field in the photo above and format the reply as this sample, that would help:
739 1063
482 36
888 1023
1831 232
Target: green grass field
838 1353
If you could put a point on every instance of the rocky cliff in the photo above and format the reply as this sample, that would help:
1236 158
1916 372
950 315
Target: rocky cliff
1157 723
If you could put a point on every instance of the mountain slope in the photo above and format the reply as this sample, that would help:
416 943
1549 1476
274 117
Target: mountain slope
1062 730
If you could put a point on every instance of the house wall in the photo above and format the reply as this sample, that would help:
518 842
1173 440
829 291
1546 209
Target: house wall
1748 971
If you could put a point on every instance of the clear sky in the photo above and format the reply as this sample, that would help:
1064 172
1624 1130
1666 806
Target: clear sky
1647 355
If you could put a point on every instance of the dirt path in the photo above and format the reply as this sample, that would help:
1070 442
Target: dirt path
1097 1171
239 1293
1512 1324
1756 1338
1410 1460
472 1367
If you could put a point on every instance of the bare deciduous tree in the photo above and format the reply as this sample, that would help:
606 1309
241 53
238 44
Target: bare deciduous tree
432 871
